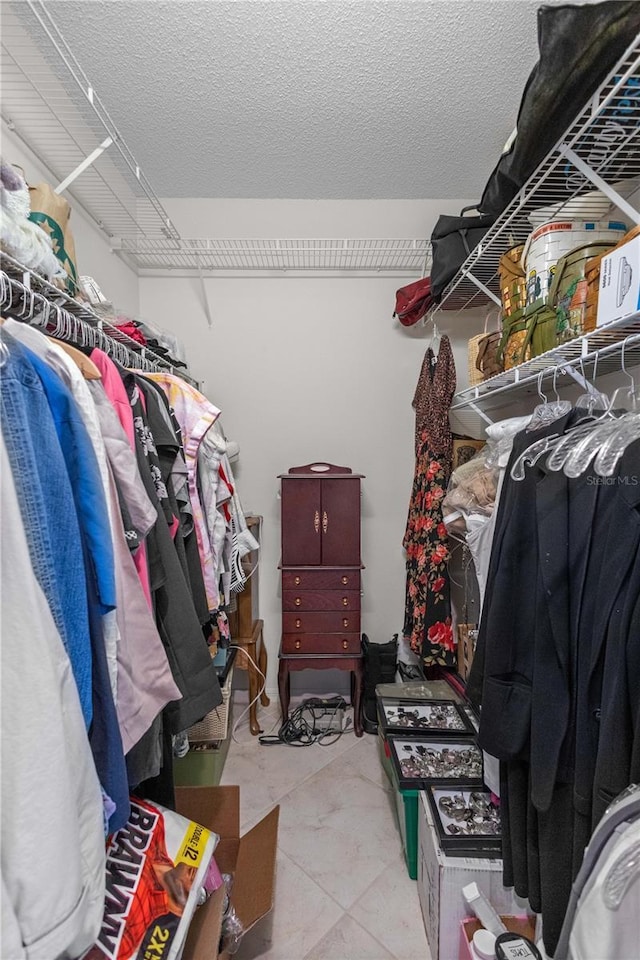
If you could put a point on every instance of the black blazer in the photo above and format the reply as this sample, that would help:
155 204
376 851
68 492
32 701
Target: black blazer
523 652
608 648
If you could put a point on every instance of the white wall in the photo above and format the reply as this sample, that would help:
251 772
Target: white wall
94 257
311 369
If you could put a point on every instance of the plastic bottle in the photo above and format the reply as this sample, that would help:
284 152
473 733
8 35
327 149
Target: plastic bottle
483 945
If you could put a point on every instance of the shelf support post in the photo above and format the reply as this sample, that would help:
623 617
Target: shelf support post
480 413
205 299
584 383
86 163
601 184
481 286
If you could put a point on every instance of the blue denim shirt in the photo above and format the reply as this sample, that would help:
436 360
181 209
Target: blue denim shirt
71 511
84 475
48 510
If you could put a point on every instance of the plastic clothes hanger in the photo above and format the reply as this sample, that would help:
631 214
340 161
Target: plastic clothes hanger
593 399
546 412
609 423
584 427
628 430
538 448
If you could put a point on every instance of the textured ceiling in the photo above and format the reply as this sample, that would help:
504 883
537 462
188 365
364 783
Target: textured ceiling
308 98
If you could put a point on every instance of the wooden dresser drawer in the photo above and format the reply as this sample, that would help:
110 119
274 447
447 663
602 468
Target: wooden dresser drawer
321 600
315 643
321 579
320 622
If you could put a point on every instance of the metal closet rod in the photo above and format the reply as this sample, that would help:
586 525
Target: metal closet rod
36 309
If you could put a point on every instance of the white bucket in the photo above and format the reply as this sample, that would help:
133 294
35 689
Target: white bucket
553 240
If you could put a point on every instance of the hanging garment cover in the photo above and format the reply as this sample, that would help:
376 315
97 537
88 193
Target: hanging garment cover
195 415
427 610
176 617
54 534
51 821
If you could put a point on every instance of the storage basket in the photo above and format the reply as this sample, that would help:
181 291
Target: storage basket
216 723
592 275
513 284
475 374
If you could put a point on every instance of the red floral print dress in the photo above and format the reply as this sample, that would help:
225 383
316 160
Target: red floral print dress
427 623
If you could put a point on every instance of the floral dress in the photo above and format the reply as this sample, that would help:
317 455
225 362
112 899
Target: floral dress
427 623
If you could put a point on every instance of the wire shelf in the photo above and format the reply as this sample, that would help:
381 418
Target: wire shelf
605 136
48 101
79 320
224 255
595 354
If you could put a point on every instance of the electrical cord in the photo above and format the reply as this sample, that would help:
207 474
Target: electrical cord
301 728
235 646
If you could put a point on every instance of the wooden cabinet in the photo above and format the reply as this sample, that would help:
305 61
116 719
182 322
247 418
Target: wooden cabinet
320 518
320 560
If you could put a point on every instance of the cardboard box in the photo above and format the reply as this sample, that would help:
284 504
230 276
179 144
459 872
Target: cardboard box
523 925
251 859
619 291
440 882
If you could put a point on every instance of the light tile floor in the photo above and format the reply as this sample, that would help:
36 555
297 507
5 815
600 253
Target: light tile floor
342 888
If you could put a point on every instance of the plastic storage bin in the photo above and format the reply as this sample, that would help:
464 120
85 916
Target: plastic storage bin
406 803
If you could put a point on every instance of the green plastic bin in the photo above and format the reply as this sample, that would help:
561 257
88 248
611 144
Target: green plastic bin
406 804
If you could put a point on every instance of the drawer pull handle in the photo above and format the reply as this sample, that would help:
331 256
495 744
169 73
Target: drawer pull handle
297 644
298 601
345 622
325 522
316 521
345 580
345 601
345 644
298 622
297 581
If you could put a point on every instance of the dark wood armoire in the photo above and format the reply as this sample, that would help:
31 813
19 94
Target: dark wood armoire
321 564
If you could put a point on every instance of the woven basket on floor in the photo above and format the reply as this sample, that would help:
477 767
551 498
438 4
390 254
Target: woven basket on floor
216 723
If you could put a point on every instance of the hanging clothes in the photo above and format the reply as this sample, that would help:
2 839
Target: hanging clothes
556 667
54 537
115 390
51 821
195 415
427 623
176 617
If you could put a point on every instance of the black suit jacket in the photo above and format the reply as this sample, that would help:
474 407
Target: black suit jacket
523 652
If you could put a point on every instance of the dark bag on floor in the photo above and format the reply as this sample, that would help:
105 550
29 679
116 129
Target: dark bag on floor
379 667
452 241
579 46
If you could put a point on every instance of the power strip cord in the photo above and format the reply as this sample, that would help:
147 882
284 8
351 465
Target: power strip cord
301 728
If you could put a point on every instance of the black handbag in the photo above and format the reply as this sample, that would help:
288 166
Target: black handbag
452 241
579 46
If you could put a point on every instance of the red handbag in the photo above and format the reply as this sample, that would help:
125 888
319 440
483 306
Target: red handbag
413 301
